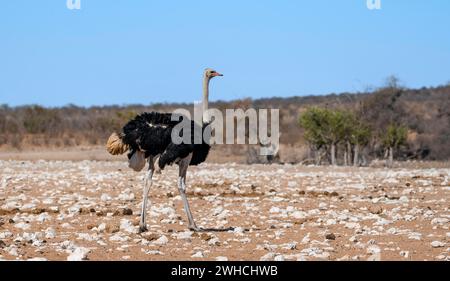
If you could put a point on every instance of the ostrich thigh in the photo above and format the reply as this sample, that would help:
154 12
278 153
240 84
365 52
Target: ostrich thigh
137 161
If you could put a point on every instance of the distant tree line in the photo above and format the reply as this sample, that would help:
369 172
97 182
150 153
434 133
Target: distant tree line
348 129
327 130
377 125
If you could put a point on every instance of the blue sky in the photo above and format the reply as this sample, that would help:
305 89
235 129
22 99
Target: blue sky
141 51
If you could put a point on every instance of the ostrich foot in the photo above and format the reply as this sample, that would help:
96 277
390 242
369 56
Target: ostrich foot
142 228
194 228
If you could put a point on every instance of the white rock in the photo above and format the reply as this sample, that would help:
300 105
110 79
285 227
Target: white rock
268 257
43 217
279 258
47 201
6 234
220 258
127 226
214 241
298 215
27 207
198 254
74 209
105 197
238 230
12 250
79 254
166 211
382 222
290 246
322 256
375 257
154 252
235 188
437 244
352 225
118 238
22 225
125 197
85 236
161 241
342 217
274 210
306 239
66 225
50 233
101 227
290 209
292 184
373 249
37 259
223 214
34 238
316 252
217 211
439 221
67 245
415 236
10 205
404 254
184 235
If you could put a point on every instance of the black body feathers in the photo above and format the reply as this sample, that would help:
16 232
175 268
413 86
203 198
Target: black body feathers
151 133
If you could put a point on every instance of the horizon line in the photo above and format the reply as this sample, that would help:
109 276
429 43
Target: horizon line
166 103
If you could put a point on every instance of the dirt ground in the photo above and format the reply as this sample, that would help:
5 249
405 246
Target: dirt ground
89 210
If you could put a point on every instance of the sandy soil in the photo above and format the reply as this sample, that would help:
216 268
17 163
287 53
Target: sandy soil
218 154
59 210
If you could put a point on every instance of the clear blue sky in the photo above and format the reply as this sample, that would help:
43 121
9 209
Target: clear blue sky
141 51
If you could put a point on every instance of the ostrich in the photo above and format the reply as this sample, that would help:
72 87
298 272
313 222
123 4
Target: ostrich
148 136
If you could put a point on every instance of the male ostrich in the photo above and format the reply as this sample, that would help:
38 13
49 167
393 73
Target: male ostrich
148 136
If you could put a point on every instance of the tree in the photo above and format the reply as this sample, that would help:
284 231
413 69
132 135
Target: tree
348 125
394 137
392 82
335 130
360 136
324 127
312 121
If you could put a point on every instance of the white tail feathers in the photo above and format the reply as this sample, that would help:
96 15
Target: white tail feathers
115 145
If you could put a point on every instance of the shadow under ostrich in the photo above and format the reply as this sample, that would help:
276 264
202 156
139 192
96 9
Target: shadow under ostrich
148 137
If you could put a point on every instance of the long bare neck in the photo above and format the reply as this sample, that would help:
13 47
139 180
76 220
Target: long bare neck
205 99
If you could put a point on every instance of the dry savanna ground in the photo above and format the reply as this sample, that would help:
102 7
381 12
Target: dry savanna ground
89 210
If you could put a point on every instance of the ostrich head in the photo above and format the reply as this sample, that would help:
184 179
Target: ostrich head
211 73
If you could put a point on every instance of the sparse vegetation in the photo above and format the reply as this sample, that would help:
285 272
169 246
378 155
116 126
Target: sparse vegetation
394 137
326 129
424 112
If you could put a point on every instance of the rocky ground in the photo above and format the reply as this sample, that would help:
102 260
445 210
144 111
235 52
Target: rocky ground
89 210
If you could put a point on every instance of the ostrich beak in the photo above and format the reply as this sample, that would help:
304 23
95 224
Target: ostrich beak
217 74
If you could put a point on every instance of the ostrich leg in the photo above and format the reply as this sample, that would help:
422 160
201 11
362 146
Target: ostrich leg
183 165
147 185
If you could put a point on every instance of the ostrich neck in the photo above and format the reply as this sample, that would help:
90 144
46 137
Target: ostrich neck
205 100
